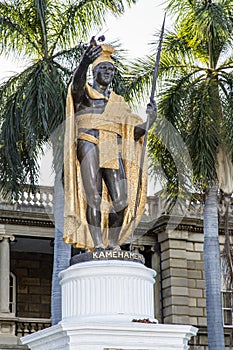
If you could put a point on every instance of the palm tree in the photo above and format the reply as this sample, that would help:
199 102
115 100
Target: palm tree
49 36
195 96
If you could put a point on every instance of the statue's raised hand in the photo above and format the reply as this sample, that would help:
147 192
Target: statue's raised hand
91 54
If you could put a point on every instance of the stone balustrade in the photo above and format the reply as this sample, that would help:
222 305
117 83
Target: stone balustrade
25 326
41 200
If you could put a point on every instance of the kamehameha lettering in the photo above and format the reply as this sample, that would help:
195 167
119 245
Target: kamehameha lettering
111 254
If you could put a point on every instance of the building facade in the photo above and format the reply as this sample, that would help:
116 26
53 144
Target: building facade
171 244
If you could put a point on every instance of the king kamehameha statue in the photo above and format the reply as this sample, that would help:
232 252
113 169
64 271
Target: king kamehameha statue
102 300
103 148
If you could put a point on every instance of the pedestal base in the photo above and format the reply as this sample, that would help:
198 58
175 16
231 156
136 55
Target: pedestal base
107 291
99 301
98 336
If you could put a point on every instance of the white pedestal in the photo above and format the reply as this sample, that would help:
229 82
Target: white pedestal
107 291
99 301
111 336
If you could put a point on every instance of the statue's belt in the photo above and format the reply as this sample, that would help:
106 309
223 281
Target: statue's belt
87 137
108 129
108 147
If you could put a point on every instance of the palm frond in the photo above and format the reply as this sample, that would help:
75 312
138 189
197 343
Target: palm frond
14 32
170 159
43 21
203 136
79 19
139 79
29 115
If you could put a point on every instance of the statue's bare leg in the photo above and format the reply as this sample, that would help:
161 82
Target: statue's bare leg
115 180
88 156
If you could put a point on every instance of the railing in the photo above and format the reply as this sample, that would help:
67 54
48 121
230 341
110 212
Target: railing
158 205
41 200
25 326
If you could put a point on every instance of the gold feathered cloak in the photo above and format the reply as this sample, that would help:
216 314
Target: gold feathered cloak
76 230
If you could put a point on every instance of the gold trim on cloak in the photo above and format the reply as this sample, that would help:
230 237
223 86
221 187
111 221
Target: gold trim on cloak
76 230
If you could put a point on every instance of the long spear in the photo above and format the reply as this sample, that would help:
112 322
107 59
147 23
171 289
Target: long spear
152 102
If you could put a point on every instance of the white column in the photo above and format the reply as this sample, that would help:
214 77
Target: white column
5 272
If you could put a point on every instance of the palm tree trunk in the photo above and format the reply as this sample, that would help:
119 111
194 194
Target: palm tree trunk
213 273
62 251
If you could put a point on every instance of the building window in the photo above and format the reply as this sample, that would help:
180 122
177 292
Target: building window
227 296
12 299
227 305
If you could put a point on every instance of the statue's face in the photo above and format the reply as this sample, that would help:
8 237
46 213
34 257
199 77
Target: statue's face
104 73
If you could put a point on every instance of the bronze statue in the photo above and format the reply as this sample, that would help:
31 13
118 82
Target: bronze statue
103 145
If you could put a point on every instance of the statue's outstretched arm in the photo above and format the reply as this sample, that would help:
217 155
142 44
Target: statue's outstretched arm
80 74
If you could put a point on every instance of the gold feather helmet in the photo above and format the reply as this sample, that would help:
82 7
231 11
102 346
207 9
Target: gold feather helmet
105 55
